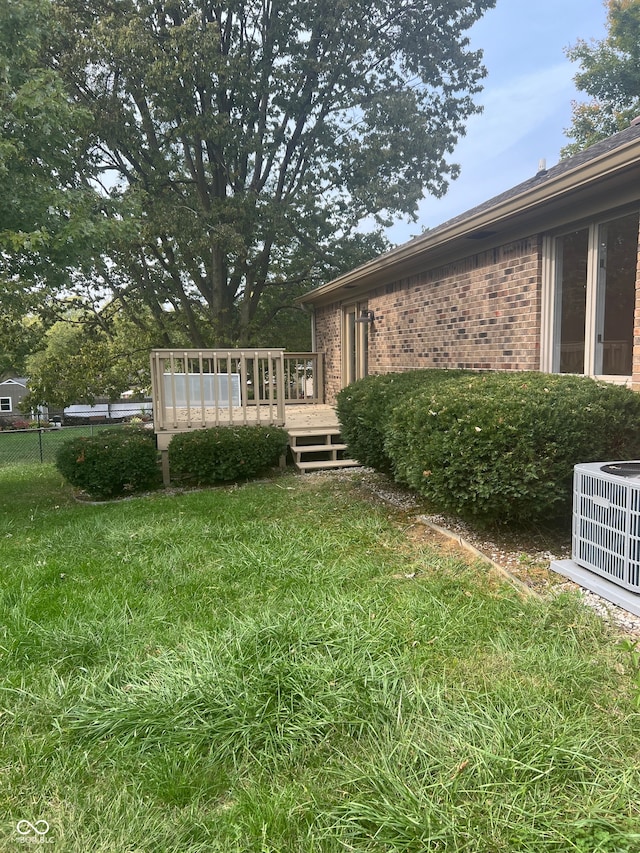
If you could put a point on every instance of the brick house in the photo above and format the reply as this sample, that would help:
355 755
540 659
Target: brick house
545 276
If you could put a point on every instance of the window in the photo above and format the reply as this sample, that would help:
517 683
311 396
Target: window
590 283
5 404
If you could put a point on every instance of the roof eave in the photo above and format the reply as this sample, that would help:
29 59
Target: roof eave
531 198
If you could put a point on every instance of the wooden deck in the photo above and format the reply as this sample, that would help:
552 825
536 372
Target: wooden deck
196 389
199 389
314 437
310 417
298 419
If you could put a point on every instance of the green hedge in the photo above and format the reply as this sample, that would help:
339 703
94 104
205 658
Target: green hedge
111 463
225 454
365 407
502 446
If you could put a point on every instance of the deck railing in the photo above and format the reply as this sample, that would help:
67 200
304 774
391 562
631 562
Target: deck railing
201 388
303 376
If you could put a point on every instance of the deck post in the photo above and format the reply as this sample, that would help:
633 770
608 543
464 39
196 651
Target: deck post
166 476
280 390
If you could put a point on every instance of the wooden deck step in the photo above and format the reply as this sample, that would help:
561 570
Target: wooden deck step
300 449
310 432
323 444
326 464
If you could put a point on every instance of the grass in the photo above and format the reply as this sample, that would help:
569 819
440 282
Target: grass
19 447
277 668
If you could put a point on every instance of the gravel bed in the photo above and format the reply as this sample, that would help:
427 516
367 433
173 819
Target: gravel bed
525 559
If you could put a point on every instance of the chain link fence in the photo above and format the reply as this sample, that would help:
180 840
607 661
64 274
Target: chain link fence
28 446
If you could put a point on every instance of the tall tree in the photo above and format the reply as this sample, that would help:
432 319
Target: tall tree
610 74
241 141
47 201
85 357
53 219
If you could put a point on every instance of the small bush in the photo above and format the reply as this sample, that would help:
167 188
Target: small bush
365 407
112 463
225 454
502 446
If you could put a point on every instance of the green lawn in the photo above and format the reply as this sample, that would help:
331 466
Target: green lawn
277 668
27 446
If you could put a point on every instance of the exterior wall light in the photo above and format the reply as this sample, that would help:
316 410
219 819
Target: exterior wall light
366 316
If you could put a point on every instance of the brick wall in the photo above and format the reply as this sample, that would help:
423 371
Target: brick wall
482 312
328 341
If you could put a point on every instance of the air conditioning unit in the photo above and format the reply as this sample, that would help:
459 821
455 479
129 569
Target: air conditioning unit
606 521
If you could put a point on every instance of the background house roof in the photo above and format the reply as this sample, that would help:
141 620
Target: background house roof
16 380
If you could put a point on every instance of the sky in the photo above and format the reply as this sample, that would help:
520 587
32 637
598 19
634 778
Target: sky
527 100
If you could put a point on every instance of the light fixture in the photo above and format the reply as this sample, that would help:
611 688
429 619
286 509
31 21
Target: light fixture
366 316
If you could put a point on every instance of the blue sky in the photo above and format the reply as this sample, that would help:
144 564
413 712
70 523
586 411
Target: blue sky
527 102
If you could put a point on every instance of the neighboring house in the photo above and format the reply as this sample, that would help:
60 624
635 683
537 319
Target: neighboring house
13 390
11 393
545 276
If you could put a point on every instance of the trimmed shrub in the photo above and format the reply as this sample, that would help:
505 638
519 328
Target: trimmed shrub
112 463
502 446
225 454
365 407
